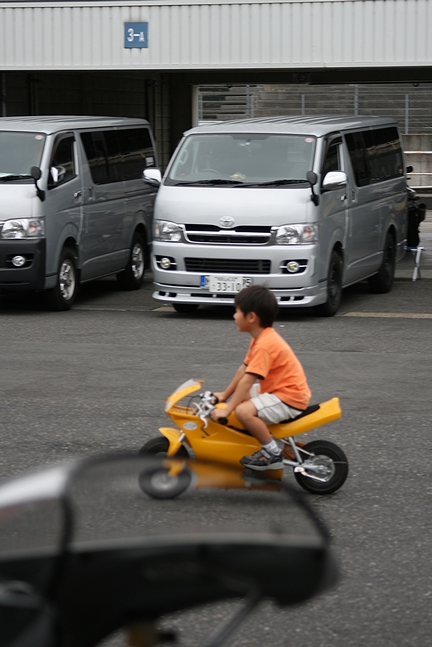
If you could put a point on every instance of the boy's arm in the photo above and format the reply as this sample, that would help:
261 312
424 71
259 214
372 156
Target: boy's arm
224 395
241 393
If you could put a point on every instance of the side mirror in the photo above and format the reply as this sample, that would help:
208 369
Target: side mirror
36 174
334 180
409 169
312 178
152 176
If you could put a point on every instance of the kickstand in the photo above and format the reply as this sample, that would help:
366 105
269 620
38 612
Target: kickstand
223 633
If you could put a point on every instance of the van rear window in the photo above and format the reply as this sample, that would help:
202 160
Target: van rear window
376 155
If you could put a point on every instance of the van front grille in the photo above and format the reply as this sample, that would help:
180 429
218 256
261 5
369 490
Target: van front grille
227 265
213 235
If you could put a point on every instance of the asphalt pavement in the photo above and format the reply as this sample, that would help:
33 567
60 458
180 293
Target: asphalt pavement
95 379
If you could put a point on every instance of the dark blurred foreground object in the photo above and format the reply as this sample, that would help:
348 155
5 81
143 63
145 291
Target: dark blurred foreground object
84 551
416 215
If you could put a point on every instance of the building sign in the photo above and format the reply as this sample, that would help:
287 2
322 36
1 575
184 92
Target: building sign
136 34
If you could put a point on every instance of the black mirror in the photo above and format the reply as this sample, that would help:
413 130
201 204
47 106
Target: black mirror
312 178
36 173
409 169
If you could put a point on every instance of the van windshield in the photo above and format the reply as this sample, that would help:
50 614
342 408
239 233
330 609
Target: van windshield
248 160
18 153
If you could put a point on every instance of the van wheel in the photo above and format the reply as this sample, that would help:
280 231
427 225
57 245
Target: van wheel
334 288
185 308
133 275
382 282
62 296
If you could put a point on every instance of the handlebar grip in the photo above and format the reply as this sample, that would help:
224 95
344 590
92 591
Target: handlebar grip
223 421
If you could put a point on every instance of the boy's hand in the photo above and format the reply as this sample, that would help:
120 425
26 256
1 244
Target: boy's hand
221 412
220 396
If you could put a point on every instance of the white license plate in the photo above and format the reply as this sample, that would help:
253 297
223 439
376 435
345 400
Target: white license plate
233 284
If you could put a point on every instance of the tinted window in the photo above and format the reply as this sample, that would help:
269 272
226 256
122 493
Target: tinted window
358 158
62 163
375 155
383 154
94 146
115 155
137 152
332 161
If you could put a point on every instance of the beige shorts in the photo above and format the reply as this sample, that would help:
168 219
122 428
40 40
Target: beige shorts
271 409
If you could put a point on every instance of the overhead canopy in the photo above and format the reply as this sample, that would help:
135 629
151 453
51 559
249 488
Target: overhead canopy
170 35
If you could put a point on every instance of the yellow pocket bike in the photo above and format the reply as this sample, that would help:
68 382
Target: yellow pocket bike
320 466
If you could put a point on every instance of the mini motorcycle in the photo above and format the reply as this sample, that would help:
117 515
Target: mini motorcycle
320 466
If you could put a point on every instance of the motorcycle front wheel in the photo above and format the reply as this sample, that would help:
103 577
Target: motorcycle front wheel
160 445
157 482
332 467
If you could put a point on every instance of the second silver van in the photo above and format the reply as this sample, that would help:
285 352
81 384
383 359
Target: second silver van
73 203
304 205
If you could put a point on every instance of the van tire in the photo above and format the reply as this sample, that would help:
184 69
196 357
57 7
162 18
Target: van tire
334 288
132 276
185 308
62 296
382 281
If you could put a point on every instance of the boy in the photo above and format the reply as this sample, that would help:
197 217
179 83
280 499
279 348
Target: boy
283 392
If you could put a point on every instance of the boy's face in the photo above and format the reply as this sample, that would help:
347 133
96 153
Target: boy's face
244 322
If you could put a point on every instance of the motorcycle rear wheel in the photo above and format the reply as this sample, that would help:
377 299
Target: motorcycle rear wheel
334 465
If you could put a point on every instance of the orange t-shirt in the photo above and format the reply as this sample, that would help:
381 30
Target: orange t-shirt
278 369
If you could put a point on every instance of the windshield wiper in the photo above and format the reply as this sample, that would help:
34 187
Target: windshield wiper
215 182
11 178
274 183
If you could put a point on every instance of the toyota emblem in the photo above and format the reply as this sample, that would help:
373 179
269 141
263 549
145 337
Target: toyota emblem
227 222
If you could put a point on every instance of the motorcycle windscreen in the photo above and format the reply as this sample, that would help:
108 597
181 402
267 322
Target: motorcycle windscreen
156 535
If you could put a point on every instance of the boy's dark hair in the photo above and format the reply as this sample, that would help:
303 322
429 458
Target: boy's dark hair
258 299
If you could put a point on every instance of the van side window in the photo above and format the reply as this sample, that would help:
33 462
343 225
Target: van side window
62 164
116 155
103 156
332 160
357 154
375 155
94 146
137 152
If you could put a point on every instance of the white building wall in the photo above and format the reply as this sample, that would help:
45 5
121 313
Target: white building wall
216 35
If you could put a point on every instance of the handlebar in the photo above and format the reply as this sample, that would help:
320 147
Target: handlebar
206 405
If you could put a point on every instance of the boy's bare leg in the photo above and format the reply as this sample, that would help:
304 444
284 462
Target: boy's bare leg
247 413
270 455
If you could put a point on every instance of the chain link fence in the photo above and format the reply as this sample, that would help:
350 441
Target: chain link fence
410 105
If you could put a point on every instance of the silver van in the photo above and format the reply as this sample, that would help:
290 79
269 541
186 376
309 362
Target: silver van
304 205
73 203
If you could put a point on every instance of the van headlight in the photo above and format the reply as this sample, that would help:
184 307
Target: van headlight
167 231
296 234
20 228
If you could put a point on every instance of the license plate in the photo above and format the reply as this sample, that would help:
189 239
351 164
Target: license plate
231 284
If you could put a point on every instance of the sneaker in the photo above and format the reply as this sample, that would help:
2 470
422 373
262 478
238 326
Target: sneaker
263 460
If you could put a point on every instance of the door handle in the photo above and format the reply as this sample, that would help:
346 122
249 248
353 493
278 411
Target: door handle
77 194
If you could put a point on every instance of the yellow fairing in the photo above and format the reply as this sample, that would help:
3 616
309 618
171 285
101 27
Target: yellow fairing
328 411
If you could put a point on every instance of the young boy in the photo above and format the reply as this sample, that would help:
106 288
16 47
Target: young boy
283 392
